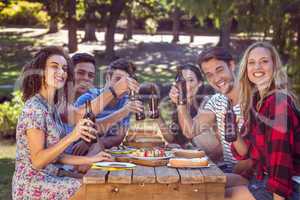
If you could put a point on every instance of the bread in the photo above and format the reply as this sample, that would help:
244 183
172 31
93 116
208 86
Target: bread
185 162
148 139
186 153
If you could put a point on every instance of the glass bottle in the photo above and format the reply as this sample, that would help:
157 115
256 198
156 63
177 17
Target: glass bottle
181 86
90 115
153 104
134 97
230 124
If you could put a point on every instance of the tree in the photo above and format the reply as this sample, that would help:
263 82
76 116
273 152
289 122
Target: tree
222 12
54 9
72 25
90 20
110 13
129 26
176 24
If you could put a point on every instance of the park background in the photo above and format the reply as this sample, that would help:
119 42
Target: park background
156 35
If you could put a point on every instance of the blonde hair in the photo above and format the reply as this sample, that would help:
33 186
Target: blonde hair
279 80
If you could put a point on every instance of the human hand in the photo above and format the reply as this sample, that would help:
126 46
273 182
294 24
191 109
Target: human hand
124 85
101 156
84 130
173 94
134 106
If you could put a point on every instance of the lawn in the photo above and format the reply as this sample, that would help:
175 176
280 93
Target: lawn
7 166
14 53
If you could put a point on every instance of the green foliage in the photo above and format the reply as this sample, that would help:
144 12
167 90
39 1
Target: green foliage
23 13
151 26
149 9
9 113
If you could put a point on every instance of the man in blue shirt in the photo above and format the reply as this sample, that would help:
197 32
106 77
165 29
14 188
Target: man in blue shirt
113 121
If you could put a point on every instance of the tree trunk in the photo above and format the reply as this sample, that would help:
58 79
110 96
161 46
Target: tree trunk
192 23
129 27
224 40
53 8
298 34
176 24
90 25
53 25
90 32
115 11
72 26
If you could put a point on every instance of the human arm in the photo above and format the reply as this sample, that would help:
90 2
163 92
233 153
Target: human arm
101 101
205 118
105 123
41 156
165 130
114 140
83 160
281 128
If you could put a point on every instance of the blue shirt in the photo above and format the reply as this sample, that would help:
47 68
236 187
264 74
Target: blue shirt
95 92
92 94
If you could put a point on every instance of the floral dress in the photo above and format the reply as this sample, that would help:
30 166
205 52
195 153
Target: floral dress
30 183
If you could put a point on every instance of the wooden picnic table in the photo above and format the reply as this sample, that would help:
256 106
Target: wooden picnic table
164 183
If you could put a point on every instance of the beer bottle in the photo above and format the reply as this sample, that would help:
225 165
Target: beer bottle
90 115
230 124
181 86
133 97
154 111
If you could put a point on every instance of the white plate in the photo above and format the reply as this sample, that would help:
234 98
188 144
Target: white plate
115 164
196 167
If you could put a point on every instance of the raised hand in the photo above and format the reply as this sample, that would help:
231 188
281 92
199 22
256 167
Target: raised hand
173 94
125 84
134 106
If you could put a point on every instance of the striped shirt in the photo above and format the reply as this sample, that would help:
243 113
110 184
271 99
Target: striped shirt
218 105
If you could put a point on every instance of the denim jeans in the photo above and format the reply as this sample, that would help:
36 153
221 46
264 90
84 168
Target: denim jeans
296 184
259 190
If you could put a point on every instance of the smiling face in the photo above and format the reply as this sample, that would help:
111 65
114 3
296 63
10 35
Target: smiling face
219 74
260 67
56 72
84 75
192 83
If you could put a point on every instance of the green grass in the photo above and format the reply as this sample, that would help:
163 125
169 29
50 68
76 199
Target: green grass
14 53
7 166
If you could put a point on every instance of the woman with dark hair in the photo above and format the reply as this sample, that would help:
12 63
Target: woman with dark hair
197 95
40 135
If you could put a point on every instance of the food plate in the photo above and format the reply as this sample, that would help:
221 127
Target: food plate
114 165
189 163
188 153
126 150
194 167
168 155
144 144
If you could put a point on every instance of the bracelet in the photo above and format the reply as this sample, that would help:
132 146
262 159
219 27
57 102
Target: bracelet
113 92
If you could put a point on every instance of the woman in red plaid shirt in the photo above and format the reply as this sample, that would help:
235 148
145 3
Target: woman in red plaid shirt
271 133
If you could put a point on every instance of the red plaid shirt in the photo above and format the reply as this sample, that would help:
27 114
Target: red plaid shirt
273 136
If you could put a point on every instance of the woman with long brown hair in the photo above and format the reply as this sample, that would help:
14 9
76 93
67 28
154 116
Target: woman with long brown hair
40 135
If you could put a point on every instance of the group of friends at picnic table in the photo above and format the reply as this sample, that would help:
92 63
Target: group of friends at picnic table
53 138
